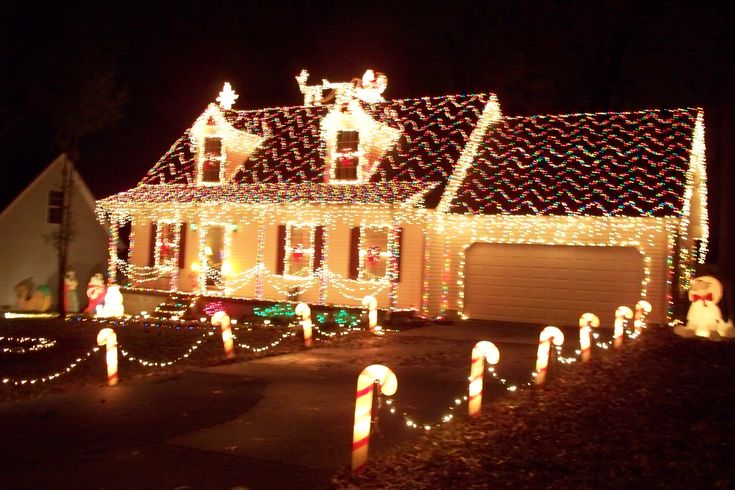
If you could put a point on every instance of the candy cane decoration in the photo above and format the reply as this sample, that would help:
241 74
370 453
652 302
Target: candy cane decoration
108 338
587 322
622 314
388 384
642 309
483 350
372 304
303 310
548 335
223 320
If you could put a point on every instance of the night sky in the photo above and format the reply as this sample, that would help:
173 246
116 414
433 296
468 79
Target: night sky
170 60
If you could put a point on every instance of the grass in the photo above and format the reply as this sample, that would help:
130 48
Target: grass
657 413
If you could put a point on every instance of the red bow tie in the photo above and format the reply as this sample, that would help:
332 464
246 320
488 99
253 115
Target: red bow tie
706 297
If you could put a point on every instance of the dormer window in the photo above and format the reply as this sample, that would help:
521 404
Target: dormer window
212 160
348 157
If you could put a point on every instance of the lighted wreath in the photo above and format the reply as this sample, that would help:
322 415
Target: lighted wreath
297 253
373 254
345 159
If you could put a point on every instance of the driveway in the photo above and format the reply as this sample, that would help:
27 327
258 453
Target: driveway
268 423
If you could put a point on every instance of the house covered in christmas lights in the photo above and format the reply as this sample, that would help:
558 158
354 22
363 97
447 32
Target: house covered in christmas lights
435 204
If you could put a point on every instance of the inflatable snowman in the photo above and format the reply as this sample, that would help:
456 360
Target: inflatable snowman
113 306
704 317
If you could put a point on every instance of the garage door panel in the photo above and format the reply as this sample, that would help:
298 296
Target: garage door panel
549 283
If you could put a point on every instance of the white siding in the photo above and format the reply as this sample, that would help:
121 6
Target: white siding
25 251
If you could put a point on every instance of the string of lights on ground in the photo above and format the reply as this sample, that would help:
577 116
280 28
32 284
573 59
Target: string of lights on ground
20 345
459 401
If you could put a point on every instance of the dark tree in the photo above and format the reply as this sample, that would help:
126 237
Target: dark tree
77 96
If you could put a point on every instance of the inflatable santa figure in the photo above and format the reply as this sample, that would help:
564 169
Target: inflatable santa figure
95 293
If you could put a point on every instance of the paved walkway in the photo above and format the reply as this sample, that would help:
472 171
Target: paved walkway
283 421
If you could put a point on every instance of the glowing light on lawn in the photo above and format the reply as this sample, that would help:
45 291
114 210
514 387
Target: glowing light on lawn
482 351
388 385
223 320
11 315
587 322
108 338
642 309
548 335
303 310
622 315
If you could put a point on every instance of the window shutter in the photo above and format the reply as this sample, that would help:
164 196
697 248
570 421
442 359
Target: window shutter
182 246
152 245
318 247
281 255
399 251
354 252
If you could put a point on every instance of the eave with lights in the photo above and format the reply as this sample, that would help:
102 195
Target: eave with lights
351 195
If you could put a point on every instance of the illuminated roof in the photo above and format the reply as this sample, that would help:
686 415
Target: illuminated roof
604 164
434 130
285 192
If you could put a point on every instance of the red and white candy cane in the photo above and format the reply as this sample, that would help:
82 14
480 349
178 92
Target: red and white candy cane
622 315
482 351
108 338
642 309
587 322
548 335
223 320
303 310
372 304
388 383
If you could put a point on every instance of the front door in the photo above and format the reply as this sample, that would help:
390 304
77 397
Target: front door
214 255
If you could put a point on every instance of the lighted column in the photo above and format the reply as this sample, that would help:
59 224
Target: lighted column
303 310
223 320
388 384
548 336
642 309
112 246
107 337
587 322
482 351
259 259
394 258
622 315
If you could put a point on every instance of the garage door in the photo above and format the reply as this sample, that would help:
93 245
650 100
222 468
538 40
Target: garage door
550 284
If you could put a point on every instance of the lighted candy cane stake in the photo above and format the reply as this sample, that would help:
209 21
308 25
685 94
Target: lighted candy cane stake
303 310
587 322
483 350
642 308
223 320
372 304
622 314
107 337
388 383
548 335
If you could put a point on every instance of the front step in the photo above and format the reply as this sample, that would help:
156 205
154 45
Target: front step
175 306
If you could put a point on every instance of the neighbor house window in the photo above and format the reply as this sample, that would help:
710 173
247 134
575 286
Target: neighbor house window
55 212
212 160
347 159
299 250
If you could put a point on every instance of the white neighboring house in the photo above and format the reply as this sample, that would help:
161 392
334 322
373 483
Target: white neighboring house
26 250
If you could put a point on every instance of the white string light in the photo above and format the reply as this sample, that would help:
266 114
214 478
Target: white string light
21 347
